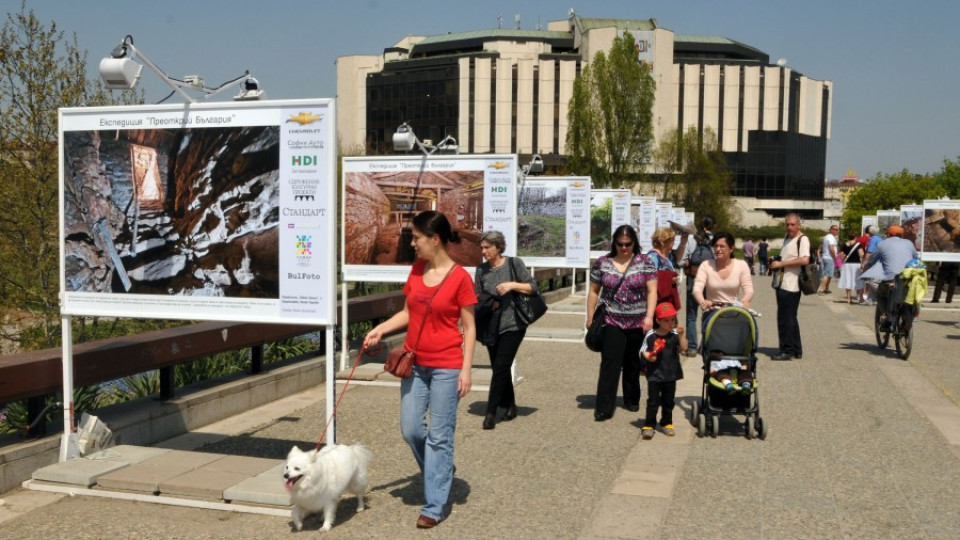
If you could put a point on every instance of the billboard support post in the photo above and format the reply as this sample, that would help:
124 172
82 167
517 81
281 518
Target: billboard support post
66 330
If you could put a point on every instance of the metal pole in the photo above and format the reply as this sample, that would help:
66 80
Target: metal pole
66 331
331 389
344 341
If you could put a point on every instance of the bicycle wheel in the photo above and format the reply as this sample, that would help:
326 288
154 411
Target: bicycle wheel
904 334
882 337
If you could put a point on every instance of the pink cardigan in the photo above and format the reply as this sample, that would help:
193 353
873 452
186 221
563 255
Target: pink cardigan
723 290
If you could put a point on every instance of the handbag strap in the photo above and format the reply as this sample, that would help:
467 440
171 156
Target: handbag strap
513 276
426 310
622 277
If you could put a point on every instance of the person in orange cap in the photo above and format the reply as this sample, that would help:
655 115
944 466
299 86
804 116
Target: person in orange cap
660 353
885 264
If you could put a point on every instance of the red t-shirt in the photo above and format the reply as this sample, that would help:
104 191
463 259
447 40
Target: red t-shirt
441 344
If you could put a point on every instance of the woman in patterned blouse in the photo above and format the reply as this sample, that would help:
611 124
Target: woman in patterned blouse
630 306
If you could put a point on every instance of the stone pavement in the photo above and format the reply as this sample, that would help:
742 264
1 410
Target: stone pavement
861 445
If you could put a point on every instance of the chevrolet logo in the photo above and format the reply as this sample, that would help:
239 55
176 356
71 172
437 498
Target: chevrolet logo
577 184
305 118
499 165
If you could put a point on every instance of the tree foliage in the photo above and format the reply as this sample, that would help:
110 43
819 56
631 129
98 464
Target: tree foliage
949 178
888 191
611 116
40 71
692 173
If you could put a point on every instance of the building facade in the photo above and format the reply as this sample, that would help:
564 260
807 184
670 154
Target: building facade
507 91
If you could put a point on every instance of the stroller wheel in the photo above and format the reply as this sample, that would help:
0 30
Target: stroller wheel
701 424
762 428
715 426
750 425
694 412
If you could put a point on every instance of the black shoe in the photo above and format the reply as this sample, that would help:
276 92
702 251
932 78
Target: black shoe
489 421
632 408
510 414
601 416
798 356
782 356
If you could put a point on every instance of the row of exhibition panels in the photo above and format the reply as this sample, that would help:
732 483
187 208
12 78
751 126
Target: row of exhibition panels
933 227
229 211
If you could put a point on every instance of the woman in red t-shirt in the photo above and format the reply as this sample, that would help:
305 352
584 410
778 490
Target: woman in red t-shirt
439 298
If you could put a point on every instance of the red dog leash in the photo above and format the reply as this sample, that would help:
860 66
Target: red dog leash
363 349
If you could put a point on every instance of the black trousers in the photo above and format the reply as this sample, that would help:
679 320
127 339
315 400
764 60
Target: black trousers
660 395
946 277
621 352
501 360
788 327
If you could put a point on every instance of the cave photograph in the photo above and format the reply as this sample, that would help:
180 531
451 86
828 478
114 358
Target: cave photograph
185 212
379 208
941 230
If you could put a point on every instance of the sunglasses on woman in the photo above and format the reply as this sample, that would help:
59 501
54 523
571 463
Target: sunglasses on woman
625 244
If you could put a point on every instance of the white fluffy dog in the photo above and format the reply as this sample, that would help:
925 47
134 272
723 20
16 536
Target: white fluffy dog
317 479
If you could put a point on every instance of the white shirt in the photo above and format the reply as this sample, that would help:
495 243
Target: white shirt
791 250
828 240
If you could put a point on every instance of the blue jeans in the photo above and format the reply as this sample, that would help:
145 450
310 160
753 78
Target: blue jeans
434 389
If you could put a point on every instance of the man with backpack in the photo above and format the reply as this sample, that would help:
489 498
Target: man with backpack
697 250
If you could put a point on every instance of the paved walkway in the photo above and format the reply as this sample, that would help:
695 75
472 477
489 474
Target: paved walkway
861 445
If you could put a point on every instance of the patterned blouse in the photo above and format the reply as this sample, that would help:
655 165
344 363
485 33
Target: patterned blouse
627 309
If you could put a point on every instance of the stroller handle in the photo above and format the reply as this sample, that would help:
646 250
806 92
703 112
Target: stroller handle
721 305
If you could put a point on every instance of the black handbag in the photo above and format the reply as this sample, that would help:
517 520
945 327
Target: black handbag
594 337
528 307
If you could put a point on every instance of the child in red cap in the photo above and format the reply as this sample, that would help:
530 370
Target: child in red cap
660 353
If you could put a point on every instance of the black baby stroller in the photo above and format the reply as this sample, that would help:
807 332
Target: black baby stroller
730 339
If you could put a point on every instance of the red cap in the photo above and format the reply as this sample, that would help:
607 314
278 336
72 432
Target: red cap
894 230
665 310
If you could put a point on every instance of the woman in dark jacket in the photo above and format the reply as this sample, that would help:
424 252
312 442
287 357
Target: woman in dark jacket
498 280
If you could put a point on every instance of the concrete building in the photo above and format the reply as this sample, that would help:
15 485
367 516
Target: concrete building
507 91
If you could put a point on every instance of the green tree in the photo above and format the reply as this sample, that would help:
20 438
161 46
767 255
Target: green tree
611 116
692 173
40 71
949 178
888 191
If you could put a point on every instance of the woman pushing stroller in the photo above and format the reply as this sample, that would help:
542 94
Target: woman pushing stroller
720 282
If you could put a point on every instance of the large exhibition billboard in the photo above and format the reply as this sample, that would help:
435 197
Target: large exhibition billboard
220 211
554 221
381 195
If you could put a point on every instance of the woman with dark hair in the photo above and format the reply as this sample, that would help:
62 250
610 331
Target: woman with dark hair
626 281
723 279
499 279
440 299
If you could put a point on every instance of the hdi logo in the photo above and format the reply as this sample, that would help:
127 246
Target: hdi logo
304 161
498 189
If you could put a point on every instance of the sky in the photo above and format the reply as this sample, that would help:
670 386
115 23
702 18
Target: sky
893 63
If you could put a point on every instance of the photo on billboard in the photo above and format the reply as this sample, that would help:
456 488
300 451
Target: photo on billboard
553 226
222 212
911 219
886 218
382 195
941 230
609 209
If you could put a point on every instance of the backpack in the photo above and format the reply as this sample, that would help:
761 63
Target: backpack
701 252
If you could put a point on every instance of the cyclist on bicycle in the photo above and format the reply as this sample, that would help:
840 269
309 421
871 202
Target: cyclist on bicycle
886 263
